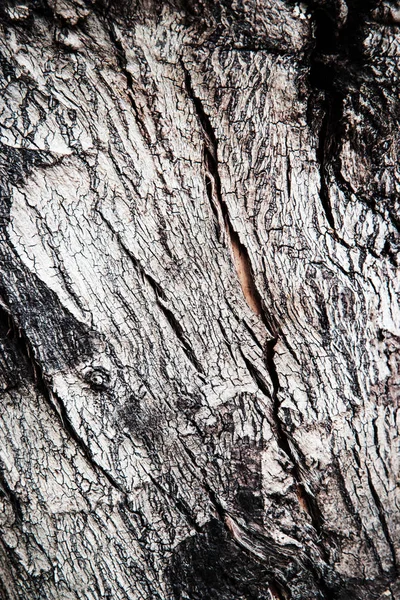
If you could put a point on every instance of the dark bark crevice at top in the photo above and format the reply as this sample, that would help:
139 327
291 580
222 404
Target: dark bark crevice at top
340 69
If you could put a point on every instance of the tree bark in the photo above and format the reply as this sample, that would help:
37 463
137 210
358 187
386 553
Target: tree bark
198 300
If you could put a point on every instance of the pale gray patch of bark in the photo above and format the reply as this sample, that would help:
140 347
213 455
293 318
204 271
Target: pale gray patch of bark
198 299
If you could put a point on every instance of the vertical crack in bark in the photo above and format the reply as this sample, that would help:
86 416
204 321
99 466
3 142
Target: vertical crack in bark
179 503
306 499
383 522
337 52
331 119
157 288
322 159
6 491
160 297
338 56
123 63
322 74
247 281
213 186
355 515
179 332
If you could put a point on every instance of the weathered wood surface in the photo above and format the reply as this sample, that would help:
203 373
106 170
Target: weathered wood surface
199 319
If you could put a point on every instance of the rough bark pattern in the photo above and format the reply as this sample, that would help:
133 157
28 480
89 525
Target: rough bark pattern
199 321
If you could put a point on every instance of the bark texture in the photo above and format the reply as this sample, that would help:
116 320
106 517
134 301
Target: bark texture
199 313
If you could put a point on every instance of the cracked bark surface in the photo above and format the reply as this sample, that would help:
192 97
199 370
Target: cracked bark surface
199 315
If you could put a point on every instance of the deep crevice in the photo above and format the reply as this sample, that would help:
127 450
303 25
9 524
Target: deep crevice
253 297
158 290
123 63
61 411
6 491
354 514
180 334
383 522
305 498
240 254
256 375
335 60
179 503
322 157
160 298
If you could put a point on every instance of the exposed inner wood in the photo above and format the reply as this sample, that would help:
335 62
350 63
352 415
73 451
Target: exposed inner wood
243 269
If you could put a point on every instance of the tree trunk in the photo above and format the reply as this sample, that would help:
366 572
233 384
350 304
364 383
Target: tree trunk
199 324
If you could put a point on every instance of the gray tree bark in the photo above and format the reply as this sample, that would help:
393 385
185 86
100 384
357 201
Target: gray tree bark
199 316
